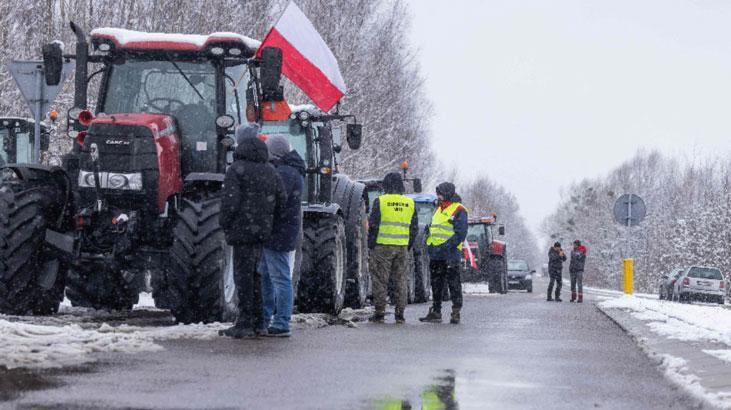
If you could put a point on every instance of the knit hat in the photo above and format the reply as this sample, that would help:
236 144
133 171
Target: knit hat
557 245
247 130
278 146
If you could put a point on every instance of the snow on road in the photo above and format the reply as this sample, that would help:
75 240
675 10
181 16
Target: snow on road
76 335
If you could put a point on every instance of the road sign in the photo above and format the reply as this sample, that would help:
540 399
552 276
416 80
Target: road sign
629 210
29 76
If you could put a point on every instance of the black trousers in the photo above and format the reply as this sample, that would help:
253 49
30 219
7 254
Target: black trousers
248 286
444 273
555 277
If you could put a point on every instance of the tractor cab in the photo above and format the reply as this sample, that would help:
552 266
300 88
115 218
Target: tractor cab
16 140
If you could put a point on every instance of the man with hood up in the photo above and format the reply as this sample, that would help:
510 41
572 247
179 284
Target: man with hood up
447 233
253 193
277 262
393 226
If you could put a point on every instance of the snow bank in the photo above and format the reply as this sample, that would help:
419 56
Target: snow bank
675 369
678 321
724 355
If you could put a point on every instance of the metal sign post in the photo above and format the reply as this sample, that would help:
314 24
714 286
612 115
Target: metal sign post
29 76
629 210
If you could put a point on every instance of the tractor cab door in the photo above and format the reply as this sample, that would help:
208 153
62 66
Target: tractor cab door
16 144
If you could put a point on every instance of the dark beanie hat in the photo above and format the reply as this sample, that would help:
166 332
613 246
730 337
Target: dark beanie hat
557 244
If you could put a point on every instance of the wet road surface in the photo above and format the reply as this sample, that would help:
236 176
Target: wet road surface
511 351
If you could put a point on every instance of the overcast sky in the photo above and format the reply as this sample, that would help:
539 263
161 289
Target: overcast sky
536 94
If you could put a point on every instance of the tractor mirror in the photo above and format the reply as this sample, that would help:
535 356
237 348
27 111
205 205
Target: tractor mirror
501 230
271 73
52 63
354 135
417 185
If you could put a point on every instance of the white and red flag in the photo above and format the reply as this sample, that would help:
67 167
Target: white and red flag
306 59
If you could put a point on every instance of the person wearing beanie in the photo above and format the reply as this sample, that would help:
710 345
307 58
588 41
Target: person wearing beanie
277 261
576 270
247 131
447 233
393 226
253 193
556 258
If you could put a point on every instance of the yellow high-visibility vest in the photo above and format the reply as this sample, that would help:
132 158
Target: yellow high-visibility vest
441 229
396 213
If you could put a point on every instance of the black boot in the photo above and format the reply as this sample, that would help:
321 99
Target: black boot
434 316
378 317
238 331
454 319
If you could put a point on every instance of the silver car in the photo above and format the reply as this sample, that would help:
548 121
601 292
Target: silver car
700 283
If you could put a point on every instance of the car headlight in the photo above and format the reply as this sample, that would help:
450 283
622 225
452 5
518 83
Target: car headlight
111 180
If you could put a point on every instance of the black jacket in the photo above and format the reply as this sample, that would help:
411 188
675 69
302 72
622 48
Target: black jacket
253 193
555 261
392 184
288 222
578 259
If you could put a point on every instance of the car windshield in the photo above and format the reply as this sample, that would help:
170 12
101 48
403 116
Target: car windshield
517 265
705 273
184 89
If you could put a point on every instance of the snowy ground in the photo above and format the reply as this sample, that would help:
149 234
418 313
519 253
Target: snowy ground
695 327
75 335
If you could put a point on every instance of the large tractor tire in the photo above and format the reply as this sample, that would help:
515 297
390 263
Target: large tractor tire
200 280
97 286
356 290
422 276
324 260
31 279
497 275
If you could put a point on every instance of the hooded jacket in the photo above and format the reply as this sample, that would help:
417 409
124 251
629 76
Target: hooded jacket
555 262
288 222
392 184
253 193
578 259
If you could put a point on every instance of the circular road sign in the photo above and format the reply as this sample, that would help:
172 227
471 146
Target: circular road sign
629 209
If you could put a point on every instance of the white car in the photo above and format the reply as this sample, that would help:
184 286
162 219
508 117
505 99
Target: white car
700 283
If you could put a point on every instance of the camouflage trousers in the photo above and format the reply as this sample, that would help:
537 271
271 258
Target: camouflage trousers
389 261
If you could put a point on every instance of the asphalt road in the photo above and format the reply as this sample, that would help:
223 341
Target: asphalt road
511 351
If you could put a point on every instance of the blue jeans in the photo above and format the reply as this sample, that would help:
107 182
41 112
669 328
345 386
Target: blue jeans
276 287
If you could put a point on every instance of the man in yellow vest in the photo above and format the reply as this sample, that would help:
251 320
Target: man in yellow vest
393 226
447 232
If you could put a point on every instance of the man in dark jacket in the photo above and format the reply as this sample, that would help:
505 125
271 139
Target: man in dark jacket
393 226
556 258
576 270
277 262
252 194
447 232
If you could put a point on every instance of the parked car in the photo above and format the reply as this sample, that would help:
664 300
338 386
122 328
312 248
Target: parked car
667 283
700 283
520 276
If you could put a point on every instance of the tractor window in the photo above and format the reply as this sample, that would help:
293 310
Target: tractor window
237 78
294 133
481 231
425 212
23 147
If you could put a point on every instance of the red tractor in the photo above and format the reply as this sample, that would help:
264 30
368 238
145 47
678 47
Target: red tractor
140 191
486 257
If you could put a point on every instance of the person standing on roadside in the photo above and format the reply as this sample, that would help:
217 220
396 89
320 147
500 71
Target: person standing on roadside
393 226
576 270
447 232
253 193
556 258
277 259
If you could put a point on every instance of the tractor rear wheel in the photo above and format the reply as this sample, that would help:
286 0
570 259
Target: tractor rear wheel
422 282
324 259
97 286
31 279
200 278
356 291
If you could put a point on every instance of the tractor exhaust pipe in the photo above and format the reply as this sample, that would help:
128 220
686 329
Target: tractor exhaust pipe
82 59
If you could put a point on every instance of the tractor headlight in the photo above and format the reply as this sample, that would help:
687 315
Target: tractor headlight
111 180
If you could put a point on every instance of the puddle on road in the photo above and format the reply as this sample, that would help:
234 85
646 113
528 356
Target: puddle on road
441 395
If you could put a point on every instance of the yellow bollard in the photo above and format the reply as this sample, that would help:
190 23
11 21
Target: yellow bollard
629 270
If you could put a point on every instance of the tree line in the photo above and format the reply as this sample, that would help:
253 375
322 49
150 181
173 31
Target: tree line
688 218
